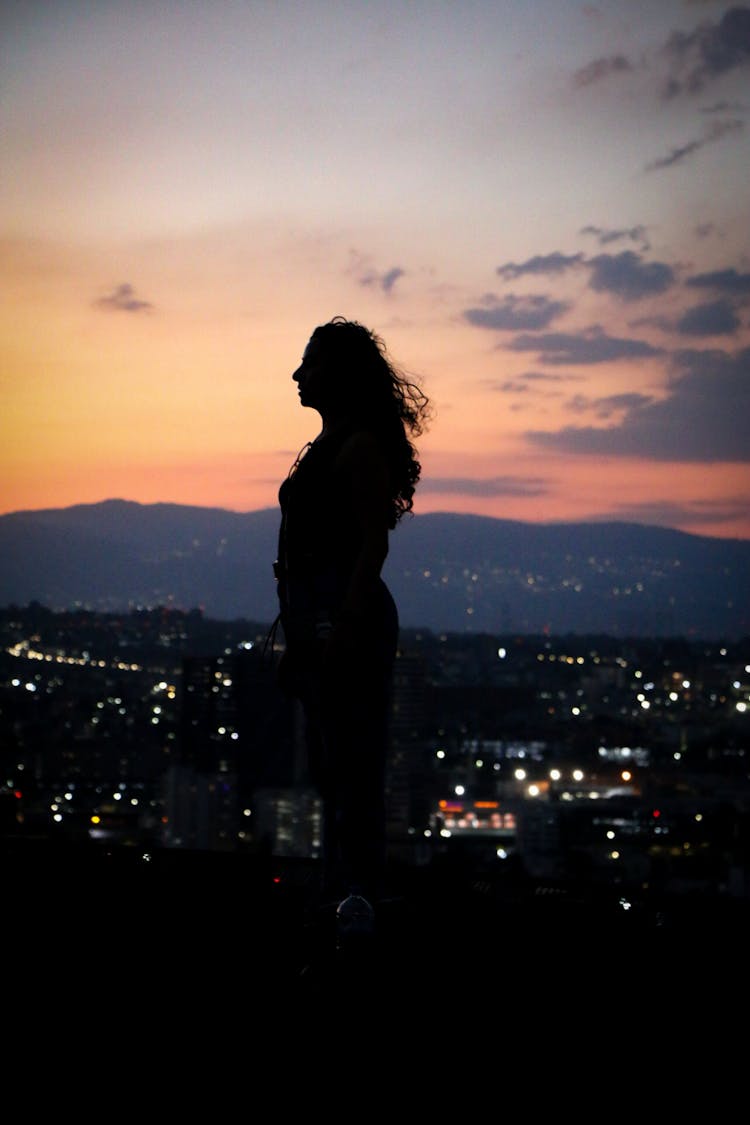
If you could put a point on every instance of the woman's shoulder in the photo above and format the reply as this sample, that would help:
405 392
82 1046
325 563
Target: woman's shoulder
361 445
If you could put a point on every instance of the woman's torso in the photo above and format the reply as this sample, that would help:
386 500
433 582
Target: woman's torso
320 537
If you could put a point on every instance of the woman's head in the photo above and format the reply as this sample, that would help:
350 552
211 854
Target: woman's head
343 370
346 371
347 344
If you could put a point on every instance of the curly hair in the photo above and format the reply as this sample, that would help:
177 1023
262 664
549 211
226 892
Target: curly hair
389 404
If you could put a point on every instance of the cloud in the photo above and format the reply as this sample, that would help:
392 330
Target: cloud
536 381
123 299
361 269
604 236
530 380
628 277
723 281
548 377
663 323
699 57
715 131
512 386
668 513
723 107
601 68
590 346
384 281
554 263
702 418
389 279
694 60
715 318
490 486
516 314
704 230
608 405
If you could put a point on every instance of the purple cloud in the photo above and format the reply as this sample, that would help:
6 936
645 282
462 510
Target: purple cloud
628 277
384 281
723 281
516 314
605 235
667 513
715 318
601 68
699 57
123 299
591 346
703 417
555 263
715 132
607 405
491 486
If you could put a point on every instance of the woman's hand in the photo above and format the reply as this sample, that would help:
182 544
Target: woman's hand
343 648
287 675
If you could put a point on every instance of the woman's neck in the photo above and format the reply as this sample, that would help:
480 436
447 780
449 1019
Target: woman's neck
332 423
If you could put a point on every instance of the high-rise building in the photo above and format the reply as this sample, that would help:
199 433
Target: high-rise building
235 737
408 776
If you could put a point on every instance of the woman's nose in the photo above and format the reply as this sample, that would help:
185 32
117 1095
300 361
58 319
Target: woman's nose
296 374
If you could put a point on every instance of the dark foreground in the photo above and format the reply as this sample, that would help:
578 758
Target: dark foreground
222 933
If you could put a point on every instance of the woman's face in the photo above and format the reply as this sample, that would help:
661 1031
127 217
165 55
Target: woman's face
311 377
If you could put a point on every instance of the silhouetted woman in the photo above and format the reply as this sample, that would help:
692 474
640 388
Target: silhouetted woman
347 489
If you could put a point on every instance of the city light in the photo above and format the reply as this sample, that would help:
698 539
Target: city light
498 776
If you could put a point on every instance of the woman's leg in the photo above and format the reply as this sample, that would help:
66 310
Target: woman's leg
355 741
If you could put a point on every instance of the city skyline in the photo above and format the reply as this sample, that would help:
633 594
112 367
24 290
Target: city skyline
480 735
541 208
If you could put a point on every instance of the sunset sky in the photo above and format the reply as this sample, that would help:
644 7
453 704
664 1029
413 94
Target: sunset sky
542 206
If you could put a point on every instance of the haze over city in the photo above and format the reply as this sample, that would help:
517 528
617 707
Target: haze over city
542 208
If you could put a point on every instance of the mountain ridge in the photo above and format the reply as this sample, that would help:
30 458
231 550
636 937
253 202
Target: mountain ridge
449 572
117 503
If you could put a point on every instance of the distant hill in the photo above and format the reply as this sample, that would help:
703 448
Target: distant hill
448 572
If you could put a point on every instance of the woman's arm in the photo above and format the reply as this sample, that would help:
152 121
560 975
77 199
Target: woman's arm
363 471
